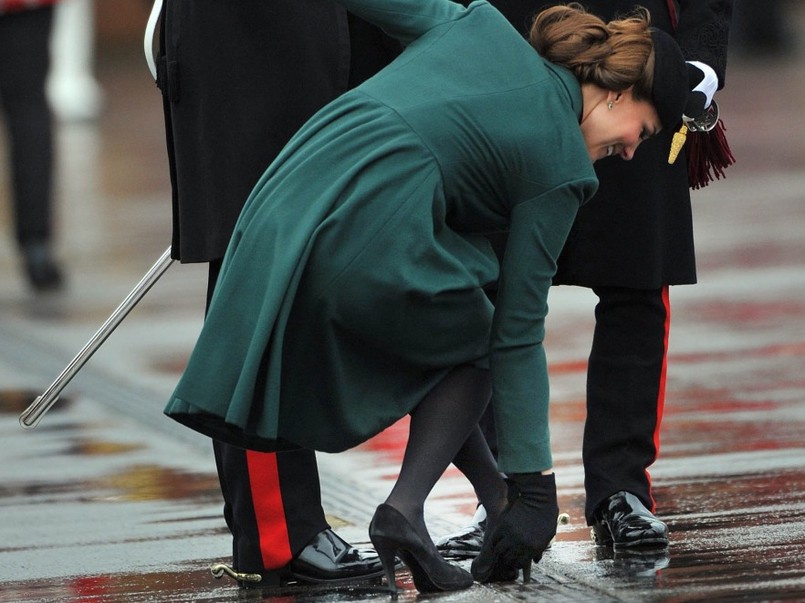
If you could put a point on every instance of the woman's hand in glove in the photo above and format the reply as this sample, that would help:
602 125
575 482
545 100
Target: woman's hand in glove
523 531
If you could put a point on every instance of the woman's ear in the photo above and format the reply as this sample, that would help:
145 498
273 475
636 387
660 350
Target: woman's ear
612 98
623 93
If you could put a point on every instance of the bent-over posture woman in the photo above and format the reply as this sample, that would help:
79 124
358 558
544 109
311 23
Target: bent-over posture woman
352 290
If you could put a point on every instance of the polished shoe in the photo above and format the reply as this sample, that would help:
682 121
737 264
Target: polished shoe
327 559
42 270
392 534
467 542
622 521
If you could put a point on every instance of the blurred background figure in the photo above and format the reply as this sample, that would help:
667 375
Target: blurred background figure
25 27
762 29
72 88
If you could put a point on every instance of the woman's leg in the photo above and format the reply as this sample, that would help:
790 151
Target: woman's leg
441 425
477 462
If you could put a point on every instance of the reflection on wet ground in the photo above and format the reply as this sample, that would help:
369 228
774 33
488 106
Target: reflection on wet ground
193 583
14 401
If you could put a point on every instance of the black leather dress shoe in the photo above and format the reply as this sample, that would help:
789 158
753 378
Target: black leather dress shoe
467 542
624 522
327 559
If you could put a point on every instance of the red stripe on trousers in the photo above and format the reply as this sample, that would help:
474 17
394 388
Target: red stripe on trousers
275 546
666 302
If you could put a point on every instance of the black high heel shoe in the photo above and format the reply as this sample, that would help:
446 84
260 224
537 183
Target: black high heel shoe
392 534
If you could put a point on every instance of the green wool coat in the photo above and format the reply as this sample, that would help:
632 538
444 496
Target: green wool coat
353 281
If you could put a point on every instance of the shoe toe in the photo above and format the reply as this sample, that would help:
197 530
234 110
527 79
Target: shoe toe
636 531
465 544
328 558
625 522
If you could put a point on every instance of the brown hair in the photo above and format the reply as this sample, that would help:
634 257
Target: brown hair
614 55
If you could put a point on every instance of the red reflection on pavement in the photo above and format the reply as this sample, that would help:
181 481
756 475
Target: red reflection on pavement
390 442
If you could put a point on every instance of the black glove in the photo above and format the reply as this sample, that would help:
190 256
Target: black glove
523 531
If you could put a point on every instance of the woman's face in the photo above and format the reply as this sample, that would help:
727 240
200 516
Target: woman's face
618 125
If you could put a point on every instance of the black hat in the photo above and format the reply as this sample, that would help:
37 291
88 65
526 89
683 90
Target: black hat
670 91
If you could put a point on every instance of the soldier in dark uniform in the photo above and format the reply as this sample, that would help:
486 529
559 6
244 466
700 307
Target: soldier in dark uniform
25 27
629 244
238 79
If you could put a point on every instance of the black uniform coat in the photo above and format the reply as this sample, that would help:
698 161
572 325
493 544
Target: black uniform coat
637 231
215 157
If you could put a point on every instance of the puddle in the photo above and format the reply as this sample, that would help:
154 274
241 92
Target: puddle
14 401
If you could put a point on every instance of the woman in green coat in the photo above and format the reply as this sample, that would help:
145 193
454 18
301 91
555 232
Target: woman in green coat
352 290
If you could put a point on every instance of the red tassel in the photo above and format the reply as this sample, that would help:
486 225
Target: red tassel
709 155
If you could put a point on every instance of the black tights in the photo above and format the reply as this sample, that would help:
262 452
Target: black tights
444 427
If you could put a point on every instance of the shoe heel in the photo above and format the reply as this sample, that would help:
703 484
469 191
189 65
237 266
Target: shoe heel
391 533
387 551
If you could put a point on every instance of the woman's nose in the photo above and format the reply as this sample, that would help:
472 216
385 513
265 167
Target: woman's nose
629 150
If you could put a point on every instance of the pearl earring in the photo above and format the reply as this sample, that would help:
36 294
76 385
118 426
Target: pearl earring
610 104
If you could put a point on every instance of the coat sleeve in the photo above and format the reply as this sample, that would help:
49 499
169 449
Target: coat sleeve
703 32
405 20
520 392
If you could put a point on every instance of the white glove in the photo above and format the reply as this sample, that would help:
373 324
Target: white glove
703 85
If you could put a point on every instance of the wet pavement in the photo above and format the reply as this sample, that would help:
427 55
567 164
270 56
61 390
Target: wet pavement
109 501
